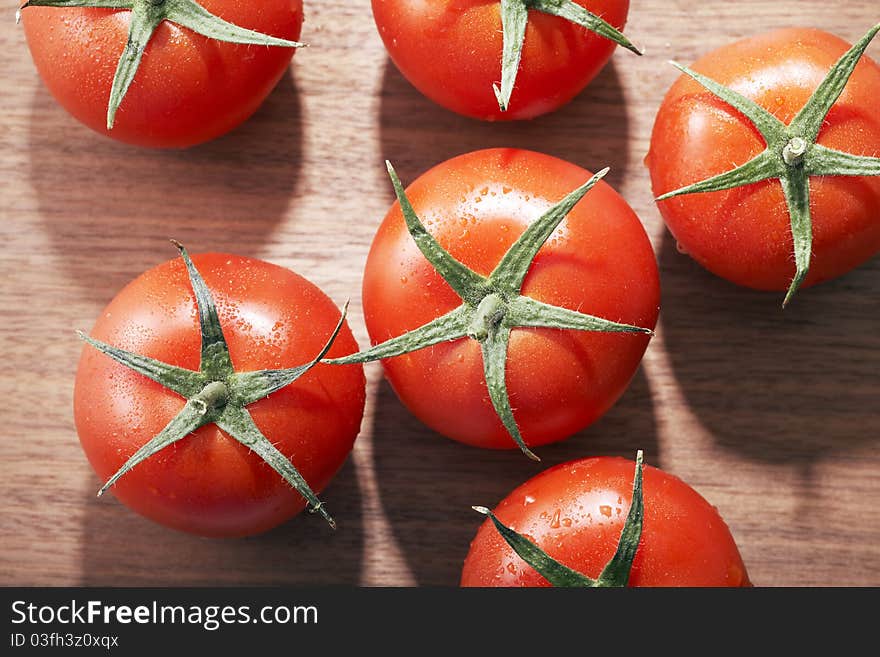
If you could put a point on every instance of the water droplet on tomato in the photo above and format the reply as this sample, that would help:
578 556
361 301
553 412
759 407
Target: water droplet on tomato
554 522
605 510
680 248
528 500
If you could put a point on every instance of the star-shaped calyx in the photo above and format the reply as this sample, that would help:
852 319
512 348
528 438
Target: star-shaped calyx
792 154
515 17
491 305
216 393
614 574
146 16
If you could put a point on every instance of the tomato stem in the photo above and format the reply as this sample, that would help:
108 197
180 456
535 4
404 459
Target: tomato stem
489 314
791 155
794 151
145 18
212 398
616 572
515 18
555 572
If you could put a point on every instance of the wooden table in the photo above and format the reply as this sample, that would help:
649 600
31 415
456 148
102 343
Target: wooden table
774 417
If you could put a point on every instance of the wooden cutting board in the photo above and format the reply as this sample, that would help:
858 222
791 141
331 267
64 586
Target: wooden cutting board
772 416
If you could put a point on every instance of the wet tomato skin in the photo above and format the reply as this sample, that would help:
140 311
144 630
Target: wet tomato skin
744 234
208 483
575 512
599 261
463 61
188 89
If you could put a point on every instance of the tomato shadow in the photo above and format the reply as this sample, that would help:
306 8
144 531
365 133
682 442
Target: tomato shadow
428 483
108 208
121 548
591 131
775 386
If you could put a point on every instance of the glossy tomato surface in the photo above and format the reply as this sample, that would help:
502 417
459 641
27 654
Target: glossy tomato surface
599 261
208 483
189 88
451 52
576 511
744 234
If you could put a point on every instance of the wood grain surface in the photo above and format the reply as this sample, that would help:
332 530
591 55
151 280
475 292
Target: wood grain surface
772 416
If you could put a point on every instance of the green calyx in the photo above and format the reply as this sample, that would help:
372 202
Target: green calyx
216 393
615 573
491 305
146 15
515 16
792 155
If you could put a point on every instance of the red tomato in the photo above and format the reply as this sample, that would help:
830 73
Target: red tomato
189 88
576 511
744 234
451 52
208 483
599 261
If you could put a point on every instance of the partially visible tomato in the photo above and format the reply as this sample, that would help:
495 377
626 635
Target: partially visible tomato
744 234
575 512
451 52
208 483
188 89
599 261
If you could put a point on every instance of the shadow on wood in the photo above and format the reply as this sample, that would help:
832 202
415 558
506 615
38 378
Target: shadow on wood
591 131
428 483
120 548
775 386
109 208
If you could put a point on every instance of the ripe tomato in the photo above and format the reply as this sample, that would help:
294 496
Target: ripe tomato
451 52
208 483
744 234
575 512
598 261
188 89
